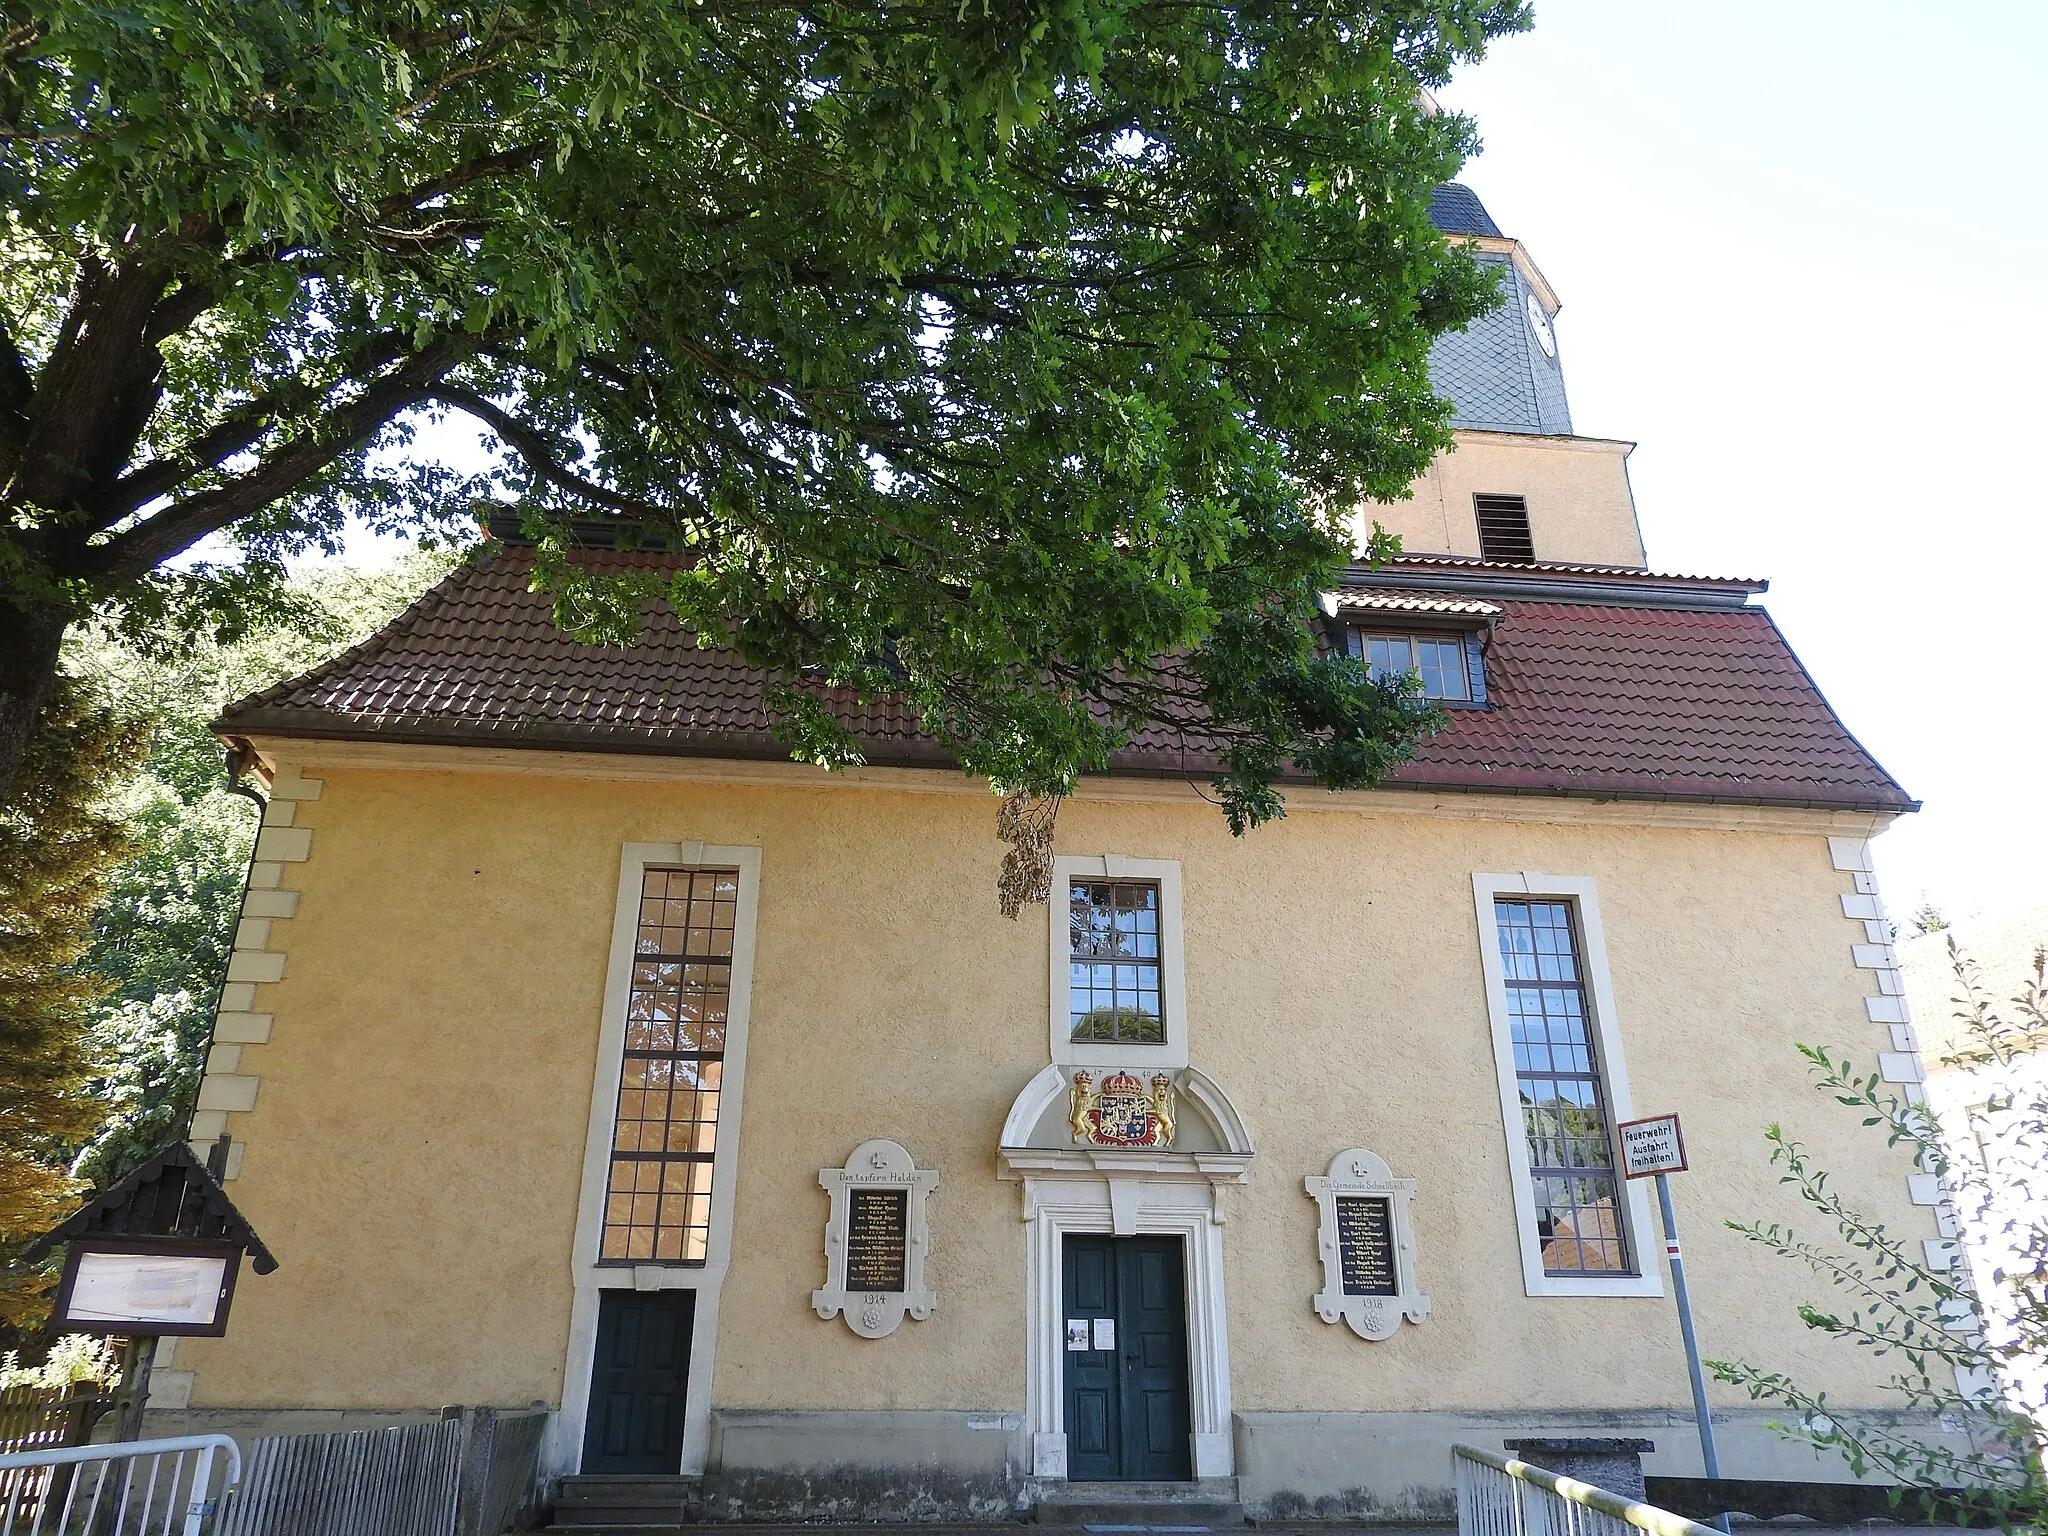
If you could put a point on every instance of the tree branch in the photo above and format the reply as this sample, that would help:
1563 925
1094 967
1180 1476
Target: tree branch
100 357
189 300
133 554
536 452
19 40
242 428
515 158
483 56
17 398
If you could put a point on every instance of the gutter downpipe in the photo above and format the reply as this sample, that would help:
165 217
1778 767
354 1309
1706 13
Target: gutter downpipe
239 759
138 1353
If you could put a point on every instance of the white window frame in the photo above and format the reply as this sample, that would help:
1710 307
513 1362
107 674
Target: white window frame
564 1450
1069 1052
1583 894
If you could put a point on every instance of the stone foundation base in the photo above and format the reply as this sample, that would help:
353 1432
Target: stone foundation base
907 1465
1396 1467
932 1467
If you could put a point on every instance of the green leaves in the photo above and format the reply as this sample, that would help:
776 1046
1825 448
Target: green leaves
1027 360
1965 1434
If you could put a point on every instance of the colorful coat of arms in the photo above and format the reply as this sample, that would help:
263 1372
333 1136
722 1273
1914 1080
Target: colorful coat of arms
1121 1113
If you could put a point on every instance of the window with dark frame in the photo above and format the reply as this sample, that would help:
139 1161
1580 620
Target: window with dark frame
658 1201
1113 992
1557 1079
1438 660
1504 537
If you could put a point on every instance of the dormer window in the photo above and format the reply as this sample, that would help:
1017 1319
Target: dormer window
1443 662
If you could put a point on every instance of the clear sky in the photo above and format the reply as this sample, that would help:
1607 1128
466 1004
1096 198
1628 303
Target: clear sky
1802 250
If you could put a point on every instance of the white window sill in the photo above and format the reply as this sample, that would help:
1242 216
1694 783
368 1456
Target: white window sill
1589 1285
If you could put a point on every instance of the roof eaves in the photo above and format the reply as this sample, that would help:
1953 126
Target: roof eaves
1353 599
1609 586
1139 764
554 736
1862 804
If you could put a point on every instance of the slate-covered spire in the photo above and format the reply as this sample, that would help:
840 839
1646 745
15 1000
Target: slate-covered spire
1502 372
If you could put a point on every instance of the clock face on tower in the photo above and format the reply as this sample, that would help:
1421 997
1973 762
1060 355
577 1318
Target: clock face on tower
1540 324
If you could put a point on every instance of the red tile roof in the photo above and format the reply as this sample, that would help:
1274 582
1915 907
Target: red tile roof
1584 698
1668 703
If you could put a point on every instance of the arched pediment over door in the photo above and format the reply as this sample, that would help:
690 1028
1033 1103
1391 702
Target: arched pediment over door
1072 1186
1206 1122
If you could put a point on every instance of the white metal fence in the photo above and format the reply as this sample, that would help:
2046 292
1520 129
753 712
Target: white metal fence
403 1481
138 1488
1499 1496
469 1473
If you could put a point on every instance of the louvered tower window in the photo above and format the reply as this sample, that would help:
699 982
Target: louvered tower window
1504 529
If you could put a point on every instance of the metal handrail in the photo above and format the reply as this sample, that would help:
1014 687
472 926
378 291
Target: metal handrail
59 1456
1644 1517
201 1499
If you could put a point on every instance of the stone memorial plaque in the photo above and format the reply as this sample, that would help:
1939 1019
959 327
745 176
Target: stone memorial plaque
1365 1246
877 1239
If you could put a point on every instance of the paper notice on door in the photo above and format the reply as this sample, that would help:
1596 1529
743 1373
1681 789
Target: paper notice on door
1105 1333
1077 1333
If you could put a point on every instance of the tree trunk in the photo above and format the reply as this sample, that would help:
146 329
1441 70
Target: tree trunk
30 635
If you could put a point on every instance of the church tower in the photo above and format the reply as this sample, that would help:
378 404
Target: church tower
1520 487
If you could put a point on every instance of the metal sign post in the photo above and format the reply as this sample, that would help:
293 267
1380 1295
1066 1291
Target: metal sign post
1655 1148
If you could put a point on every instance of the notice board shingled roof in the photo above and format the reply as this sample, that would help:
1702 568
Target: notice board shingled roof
1604 699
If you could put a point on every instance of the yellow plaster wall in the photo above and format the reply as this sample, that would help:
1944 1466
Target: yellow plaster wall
1580 507
415 1150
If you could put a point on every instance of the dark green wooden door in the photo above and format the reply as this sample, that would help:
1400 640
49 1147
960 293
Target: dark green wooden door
1127 1389
637 1381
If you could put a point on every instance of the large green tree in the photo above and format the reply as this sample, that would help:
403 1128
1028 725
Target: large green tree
985 352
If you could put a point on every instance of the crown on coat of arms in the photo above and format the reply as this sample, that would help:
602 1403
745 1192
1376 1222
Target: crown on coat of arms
1121 1113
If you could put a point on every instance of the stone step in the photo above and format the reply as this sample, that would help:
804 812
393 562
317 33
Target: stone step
618 1502
1135 1519
1131 1509
816 1528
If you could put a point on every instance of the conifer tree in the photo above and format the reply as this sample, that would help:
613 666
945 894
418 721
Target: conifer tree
58 847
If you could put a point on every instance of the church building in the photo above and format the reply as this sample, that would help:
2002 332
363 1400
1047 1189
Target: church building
579 1048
